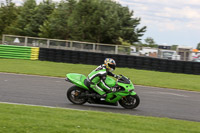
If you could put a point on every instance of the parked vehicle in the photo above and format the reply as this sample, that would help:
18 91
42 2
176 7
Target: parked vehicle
196 60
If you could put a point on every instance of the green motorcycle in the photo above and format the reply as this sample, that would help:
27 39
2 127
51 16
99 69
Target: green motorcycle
81 93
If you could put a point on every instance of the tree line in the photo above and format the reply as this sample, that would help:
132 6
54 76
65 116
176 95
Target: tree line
99 21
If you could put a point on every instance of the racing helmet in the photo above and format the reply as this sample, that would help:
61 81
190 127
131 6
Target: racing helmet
110 64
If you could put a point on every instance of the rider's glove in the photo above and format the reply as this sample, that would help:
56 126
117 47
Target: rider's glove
113 89
117 76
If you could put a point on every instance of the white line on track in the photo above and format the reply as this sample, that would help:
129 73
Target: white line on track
31 75
160 88
166 93
41 106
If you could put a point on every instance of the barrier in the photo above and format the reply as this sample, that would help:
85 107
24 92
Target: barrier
34 53
83 57
138 62
19 52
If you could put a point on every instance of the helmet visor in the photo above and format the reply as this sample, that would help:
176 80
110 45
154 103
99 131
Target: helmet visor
112 66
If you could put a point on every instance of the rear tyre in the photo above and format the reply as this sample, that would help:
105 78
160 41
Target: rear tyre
74 95
130 101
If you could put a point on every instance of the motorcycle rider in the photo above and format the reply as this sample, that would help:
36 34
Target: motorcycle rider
98 76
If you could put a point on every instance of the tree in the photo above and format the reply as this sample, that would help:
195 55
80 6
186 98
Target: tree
103 21
198 46
124 43
82 23
100 21
56 26
31 17
130 32
22 26
42 11
149 41
174 47
123 49
8 14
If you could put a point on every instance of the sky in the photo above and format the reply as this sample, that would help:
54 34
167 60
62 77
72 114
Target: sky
169 22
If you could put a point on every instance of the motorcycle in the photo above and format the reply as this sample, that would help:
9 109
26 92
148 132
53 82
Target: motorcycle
81 93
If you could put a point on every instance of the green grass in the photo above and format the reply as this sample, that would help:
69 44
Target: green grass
139 77
29 119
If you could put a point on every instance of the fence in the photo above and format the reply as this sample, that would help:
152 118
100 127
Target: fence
91 53
64 44
147 63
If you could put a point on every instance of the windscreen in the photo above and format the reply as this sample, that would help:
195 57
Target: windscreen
124 80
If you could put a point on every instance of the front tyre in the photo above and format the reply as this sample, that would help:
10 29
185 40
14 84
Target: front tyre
74 95
130 101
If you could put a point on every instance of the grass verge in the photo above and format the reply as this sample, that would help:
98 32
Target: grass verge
139 77
35 119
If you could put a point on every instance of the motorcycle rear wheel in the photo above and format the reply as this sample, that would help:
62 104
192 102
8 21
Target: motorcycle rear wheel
73 94
130 101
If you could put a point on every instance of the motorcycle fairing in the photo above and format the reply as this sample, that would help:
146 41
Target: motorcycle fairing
77 79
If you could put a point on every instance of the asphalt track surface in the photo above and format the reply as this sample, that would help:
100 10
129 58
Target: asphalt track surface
50 91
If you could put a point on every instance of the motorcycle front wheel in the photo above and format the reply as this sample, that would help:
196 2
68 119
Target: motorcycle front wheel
74 95
130 101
